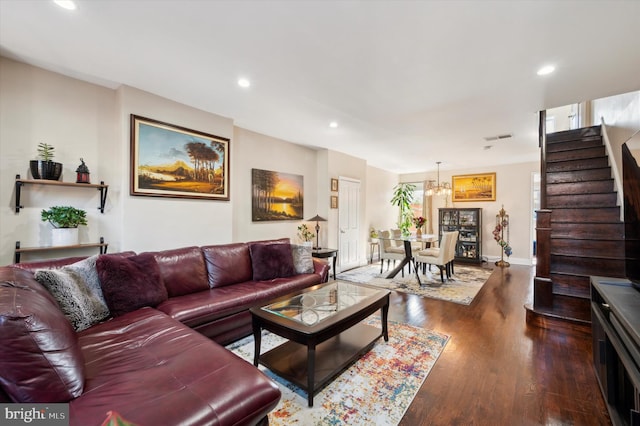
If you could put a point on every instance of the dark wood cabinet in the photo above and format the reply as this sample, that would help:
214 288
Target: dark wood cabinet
615 323
468 222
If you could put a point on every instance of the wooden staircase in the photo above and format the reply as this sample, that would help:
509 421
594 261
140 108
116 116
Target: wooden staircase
579 232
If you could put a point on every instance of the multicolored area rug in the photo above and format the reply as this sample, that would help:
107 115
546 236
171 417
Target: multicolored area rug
376 390
463 286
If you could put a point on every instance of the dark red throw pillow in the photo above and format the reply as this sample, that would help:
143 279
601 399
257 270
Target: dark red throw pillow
130 283
270 261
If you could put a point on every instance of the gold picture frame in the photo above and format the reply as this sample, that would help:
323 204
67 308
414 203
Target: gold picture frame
334 202
173 161
474 187
334 185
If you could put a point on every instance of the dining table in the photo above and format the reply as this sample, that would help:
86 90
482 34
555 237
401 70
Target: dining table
425 239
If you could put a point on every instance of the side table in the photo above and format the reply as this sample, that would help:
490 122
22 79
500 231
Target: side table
325 253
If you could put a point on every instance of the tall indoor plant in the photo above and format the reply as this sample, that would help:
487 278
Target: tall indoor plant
65 221
402 198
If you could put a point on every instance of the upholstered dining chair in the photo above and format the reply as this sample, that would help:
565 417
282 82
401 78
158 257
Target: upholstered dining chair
440 257
389 251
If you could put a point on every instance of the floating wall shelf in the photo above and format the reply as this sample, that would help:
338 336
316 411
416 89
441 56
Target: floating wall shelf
21 182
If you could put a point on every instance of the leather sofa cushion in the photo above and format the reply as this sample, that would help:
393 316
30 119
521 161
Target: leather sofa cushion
182 270
40 360
153 370
201 308
227 264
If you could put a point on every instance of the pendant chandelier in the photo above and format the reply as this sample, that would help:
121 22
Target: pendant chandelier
439 189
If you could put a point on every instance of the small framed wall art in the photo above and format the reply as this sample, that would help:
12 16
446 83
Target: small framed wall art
334 185
334 202
476 187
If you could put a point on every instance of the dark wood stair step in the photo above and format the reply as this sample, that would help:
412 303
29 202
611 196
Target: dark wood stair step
579 175
588 142
584 187
587 266
582 200
551 320
576 154
572 165
570 284
570 135
589 231
608 249
586 214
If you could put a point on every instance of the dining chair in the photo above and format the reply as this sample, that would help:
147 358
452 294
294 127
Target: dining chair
389 251
439 257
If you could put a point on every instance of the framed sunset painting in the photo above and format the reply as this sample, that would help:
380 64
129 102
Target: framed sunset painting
173 161
476 187
276 196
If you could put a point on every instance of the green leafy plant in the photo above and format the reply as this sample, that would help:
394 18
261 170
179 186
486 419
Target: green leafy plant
45 151
64 217
402 198
304 233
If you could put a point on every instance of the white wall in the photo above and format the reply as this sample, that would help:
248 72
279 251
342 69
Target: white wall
153 223
93 122
379 189
513 190
256 151
77 118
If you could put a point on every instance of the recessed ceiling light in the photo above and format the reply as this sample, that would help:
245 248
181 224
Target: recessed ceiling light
547 69
243 82
66 4
333 124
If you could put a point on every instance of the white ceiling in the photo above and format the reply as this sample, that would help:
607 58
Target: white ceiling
409 82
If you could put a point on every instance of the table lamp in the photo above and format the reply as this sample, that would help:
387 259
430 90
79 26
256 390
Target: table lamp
317 219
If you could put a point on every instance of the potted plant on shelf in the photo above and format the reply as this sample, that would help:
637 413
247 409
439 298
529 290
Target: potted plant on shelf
305 235
45 168
65 221
403 197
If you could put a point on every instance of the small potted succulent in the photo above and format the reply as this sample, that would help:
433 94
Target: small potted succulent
65 221
45 168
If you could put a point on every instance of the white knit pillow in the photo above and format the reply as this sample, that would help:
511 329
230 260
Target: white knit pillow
302 259
77 290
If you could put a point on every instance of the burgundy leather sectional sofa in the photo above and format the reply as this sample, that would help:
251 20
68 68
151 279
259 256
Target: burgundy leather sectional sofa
162 365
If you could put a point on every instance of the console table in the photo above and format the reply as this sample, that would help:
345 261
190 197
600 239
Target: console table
615 323
325 253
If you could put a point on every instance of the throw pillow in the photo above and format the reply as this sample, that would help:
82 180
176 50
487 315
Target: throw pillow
302 259
130 283
76 288
270 261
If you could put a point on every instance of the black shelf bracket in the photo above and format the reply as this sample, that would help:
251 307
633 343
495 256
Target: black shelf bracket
16 256
18 188
103 196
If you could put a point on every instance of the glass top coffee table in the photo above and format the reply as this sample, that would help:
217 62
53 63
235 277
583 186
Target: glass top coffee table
324 329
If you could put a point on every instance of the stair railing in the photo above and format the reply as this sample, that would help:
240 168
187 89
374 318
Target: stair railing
615 171
542 142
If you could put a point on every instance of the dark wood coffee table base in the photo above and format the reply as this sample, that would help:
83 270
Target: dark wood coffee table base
292 360
312 359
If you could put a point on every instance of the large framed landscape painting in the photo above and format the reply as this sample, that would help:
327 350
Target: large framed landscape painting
276 196
173 161
477 187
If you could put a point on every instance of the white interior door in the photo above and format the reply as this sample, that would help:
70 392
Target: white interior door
348 223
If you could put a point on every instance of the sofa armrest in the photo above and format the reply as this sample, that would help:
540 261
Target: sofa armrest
321 267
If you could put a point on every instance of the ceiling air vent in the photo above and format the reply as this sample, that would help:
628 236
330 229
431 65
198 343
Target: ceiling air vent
498 137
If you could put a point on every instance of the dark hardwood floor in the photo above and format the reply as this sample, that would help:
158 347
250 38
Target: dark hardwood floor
495 370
